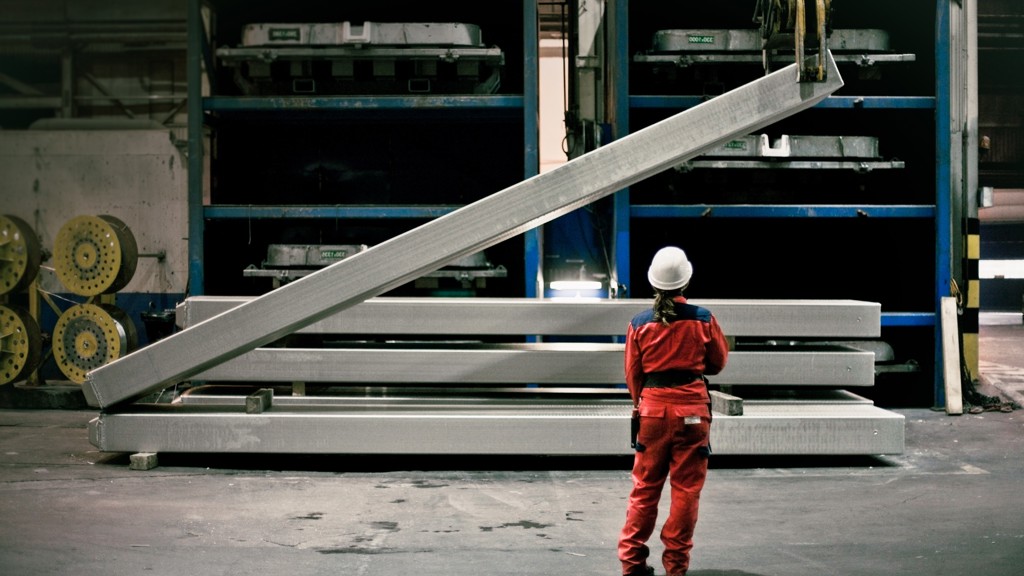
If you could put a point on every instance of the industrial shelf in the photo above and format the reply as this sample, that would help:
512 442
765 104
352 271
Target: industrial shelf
840 102
924 100
779 211
223 113
245 212
361 105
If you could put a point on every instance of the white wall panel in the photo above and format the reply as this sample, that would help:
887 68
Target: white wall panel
138 176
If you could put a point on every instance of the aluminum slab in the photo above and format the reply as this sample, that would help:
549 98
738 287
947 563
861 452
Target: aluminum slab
864 47
862 166
472 228
362 34
532 316
749 40
551 363
798 146
561 428
233 56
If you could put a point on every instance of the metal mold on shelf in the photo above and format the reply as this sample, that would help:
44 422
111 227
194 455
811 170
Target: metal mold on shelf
858 153
288 262
349 58
687 47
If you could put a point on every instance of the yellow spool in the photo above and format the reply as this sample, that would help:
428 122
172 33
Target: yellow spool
88 336
20 254
95 255
20 344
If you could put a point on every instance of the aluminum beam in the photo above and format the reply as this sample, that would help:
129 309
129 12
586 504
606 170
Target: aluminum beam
470 229
528 428
531 316
550 363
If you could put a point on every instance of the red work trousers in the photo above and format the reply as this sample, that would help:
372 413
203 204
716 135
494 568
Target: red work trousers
675 440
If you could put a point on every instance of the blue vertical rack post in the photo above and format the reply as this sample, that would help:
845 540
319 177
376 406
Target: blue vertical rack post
532 242
196 226
943 181
621 204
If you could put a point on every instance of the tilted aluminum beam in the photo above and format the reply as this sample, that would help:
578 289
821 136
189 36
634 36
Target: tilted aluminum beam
548 363
470 229
533 316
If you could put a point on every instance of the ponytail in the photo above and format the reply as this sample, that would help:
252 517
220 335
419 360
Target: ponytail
664 306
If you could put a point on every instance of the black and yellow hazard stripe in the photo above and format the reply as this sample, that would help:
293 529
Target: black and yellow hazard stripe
969 320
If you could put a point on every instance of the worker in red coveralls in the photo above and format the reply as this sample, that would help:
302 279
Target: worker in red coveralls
669 349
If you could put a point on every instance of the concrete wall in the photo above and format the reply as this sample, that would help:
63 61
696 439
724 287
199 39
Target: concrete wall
138 176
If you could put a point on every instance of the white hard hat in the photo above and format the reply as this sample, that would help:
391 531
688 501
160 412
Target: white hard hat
670 270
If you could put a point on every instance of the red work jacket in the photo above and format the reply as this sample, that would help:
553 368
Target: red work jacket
692 342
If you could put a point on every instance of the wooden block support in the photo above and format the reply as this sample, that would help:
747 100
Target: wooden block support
951 357
726 404
259 401
142 461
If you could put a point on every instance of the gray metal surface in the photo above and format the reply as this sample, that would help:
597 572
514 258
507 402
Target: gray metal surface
749 40
797 146
853 165
236 56
363 34
550 363
553 428
531 316
474 227
857 153
299 255
863 47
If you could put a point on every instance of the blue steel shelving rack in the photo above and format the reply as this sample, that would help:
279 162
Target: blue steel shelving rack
521 106
941 212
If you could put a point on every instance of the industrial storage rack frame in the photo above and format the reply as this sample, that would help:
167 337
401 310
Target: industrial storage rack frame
943 213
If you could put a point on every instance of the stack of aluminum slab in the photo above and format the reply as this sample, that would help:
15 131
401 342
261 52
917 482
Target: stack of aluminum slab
454 389
236 343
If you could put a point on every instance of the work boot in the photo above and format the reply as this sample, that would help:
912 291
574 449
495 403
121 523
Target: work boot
645 571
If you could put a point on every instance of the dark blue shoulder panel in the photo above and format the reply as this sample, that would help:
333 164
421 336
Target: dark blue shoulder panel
691 312
642 318
683 312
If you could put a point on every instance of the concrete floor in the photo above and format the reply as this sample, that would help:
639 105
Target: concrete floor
953 503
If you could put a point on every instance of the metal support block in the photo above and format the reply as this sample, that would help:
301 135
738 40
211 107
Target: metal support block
259 401
142 461
726 404
470 229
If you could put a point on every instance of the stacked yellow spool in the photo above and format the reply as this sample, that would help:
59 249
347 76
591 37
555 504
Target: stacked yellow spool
94 256
20 338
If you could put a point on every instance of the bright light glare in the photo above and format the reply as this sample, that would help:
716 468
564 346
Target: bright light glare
1000 269
576 298
575 285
